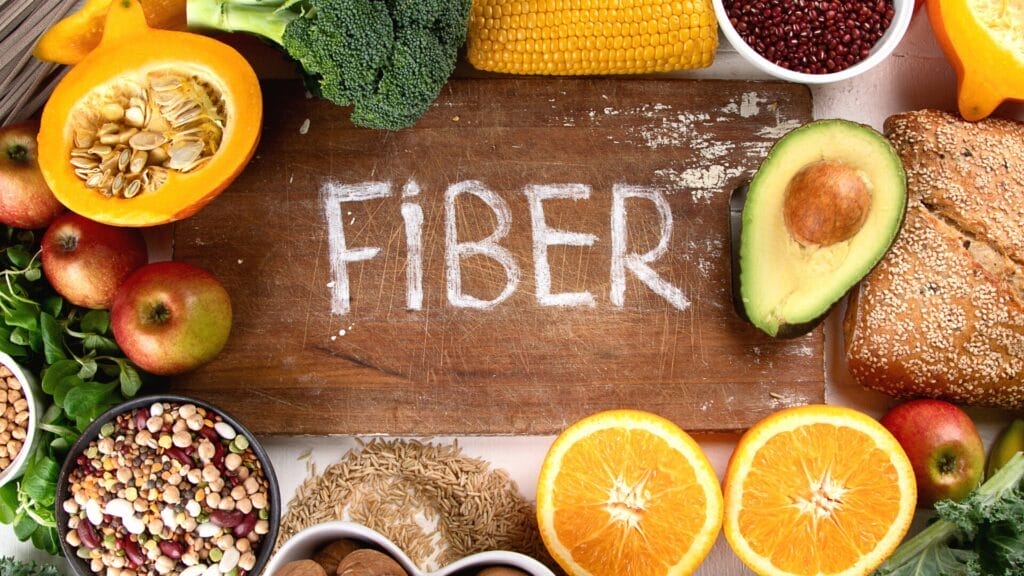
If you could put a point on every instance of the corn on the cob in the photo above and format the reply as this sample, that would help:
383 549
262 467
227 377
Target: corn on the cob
577 37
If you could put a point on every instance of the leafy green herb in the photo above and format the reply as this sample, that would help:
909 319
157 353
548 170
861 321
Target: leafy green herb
12 567
981 535
80 368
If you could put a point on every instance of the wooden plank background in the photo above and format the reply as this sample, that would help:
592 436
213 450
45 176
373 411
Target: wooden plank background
294 367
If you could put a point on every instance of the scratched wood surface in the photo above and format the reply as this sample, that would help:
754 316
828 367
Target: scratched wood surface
297 363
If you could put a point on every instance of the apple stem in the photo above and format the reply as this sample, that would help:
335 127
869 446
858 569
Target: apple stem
17 153
159 313
68 242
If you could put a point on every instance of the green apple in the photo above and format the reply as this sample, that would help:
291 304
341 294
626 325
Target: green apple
171 317
25 199
943 445
86 262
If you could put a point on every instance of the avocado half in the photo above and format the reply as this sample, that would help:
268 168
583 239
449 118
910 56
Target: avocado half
821 211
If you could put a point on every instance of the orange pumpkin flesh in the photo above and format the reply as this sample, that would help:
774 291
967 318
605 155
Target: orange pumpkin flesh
128 52
989 65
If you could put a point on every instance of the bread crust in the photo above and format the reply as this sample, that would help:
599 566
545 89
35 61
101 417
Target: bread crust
942 315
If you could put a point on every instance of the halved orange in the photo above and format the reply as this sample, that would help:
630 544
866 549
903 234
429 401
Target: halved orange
820 490
626 492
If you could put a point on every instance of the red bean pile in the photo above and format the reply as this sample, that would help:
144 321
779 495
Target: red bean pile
810 36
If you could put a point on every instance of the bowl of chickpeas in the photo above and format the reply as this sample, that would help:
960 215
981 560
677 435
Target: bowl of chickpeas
19 418
167 485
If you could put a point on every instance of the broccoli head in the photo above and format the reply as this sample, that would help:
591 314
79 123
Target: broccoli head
388 59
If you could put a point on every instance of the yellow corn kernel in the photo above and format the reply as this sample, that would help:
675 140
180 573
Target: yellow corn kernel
591 36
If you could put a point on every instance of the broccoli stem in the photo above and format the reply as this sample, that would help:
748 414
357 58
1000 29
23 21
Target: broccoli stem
265 19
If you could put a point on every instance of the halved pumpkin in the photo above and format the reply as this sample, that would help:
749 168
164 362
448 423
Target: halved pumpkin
151 125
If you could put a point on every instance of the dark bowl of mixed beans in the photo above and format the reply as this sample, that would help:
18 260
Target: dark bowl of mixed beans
814 41
167 486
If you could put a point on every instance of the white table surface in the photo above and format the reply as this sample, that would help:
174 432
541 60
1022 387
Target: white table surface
915 76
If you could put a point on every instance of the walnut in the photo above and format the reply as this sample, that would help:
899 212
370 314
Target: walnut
301 568
331 554
367 562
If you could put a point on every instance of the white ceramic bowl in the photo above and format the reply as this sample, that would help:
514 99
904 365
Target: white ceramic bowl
29 388
304 544
904 10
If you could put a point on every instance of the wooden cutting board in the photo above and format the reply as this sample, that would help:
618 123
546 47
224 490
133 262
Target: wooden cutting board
531 252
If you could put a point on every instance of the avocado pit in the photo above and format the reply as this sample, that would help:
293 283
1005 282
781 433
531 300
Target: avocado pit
826 202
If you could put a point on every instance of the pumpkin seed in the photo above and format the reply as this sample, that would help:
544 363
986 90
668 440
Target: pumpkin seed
146 140
133 189
112 111
123 159
134 116
94 180
138 161
79 162
184 153
117 184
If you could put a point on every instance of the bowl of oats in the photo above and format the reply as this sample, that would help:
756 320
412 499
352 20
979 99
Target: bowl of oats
19 418
167 485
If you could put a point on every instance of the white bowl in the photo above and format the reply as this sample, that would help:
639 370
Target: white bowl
302 546
31 393
903 12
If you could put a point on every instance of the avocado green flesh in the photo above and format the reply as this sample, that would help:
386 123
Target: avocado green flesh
786 285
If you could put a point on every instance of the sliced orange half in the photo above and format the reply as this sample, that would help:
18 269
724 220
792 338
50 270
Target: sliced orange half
628 493
819 490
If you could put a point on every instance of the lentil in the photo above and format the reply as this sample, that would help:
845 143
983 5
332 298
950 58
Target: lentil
14 414
811 36
139 499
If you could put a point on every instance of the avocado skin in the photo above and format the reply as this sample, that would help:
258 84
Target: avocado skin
738 202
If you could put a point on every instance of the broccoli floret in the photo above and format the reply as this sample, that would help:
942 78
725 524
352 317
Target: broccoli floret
387 58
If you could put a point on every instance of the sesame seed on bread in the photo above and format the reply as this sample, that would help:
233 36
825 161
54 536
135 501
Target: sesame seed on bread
942 315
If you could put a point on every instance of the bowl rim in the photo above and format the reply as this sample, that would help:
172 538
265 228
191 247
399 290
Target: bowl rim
333 529
904 12
78 566
29 391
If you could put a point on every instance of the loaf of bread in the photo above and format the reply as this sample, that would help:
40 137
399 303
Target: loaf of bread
942 315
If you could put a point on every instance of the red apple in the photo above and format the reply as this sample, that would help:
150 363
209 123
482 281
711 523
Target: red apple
943 446
25 199
171 317
86 262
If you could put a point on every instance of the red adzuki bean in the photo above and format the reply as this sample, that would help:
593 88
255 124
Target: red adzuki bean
811 36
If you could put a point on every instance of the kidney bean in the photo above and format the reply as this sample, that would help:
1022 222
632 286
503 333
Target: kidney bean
245 526
210 434
226 518
133 553
170 549
218 456
88 535
180 455
141 416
